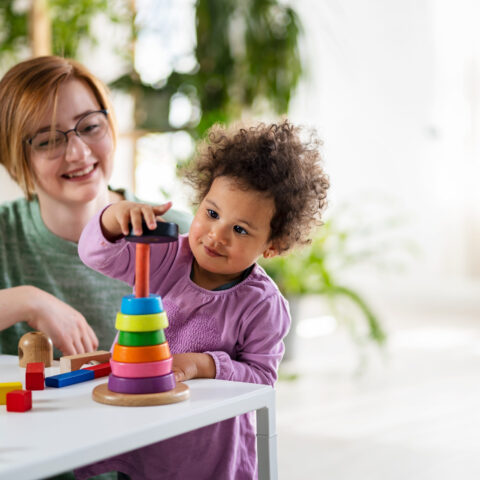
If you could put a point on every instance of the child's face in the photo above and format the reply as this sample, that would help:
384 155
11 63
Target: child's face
230 231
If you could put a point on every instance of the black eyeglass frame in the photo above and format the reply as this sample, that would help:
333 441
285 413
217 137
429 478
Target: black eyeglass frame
74 129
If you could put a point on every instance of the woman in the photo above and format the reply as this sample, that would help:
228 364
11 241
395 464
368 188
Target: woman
57 141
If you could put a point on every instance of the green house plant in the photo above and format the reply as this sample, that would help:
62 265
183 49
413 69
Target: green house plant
247 60
317 270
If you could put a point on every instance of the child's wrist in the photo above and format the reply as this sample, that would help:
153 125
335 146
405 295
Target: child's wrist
206 366
107 224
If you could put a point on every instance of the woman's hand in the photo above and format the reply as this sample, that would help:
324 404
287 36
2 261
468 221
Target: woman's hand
118 217
193 365
67 327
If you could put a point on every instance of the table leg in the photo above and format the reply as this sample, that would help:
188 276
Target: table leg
267 441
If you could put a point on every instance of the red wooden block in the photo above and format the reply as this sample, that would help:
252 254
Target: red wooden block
100 370
19 400
35 376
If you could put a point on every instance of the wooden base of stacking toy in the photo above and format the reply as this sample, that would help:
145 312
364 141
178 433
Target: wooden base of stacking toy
102 394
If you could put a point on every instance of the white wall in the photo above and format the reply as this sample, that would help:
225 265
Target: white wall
9 190
393 88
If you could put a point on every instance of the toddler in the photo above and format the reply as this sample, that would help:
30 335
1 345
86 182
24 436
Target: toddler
260 190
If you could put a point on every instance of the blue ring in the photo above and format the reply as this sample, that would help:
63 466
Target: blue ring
132 305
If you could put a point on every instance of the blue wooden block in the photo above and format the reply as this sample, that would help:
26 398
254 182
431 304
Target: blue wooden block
69 378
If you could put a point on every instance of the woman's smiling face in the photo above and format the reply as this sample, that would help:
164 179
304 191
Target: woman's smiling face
83 171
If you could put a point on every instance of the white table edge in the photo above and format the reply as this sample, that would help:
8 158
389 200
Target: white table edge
261 399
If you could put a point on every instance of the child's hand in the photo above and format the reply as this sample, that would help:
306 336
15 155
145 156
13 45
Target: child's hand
193 365
118 217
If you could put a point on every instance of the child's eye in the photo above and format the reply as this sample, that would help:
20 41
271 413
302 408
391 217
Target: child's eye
240 230
212 213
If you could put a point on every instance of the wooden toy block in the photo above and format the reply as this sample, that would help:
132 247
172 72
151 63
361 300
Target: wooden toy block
71 363
100 370
35 376
69 378
132 305
141 385
154 353
19 400
35 347
141 339
145 369
8 387
141 323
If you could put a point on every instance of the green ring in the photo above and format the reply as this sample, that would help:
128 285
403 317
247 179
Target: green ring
141 339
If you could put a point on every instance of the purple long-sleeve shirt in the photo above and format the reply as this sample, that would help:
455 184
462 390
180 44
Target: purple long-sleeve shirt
241 328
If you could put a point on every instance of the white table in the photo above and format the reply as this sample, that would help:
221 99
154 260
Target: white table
61 432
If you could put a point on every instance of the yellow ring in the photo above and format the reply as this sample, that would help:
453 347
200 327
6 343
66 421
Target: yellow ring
141 323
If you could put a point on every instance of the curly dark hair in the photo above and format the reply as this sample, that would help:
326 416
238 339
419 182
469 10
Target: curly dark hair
272 159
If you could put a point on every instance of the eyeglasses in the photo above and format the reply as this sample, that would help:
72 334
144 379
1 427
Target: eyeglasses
91 128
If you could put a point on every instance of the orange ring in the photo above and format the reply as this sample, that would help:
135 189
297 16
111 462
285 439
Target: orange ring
152 353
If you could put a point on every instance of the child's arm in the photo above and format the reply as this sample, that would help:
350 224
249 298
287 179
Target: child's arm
260 345
101 246
259 349
193 365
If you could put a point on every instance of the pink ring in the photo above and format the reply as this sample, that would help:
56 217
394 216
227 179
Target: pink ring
144 369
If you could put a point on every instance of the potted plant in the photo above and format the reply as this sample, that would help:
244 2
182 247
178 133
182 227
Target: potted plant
316 270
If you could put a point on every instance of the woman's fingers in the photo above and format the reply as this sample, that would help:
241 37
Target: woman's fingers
67 347
89 340
68 328
78 345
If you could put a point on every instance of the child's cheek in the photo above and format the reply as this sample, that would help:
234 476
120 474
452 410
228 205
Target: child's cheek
194 232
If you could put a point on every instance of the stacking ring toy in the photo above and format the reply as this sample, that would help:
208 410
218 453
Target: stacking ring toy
141 323
153 353
132 305
141 385
139 370
141 339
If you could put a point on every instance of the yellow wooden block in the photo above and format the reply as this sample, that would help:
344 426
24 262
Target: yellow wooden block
8 387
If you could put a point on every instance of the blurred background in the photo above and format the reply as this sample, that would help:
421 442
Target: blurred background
382 363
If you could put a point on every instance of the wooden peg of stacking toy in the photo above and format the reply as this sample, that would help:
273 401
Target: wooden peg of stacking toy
164 233
35 347
141 361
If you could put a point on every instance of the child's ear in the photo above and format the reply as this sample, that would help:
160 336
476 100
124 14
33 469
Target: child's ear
271 251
